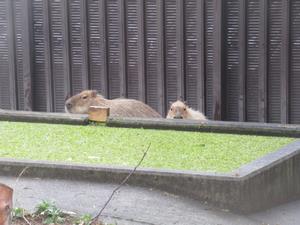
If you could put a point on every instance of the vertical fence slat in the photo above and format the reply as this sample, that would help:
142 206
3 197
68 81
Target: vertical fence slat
27 54
19 32
11 82
231 66
284 61
60 52
213 55
42 94
213 51
217 54
78 43
209 62
135 49
294 85
154 60
275 23
194 53
278 61
242 60
116 48
18 12
256 61
22 15
97 46
174 50
254 21
234 70
262 80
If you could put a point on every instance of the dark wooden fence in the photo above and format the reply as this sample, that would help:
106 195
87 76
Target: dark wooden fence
234 59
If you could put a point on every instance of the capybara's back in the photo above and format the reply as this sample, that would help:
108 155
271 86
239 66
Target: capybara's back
120 107
131 108
195 115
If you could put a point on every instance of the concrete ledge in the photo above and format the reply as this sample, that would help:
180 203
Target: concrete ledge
268 181
269 129
43 117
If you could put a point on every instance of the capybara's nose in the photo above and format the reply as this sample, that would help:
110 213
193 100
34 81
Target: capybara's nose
178 117
69 105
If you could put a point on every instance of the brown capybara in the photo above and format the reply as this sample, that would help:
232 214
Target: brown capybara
81 102
5 204
179 110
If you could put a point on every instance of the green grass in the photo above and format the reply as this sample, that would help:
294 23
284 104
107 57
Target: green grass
124 147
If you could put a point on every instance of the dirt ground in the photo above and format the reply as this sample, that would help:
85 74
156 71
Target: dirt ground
68 220
38 221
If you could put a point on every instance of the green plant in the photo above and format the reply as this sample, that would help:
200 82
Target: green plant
85 219
52 214
18 213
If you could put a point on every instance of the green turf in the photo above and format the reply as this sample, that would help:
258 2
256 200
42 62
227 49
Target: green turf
124 147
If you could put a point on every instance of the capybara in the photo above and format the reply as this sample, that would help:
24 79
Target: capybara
119 107
180 110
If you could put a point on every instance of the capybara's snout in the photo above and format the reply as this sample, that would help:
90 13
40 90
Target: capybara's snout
178 114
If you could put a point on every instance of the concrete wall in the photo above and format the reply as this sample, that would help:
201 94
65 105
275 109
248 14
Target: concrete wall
266 182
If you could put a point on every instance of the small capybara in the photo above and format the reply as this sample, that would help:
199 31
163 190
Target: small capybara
180 110
119 107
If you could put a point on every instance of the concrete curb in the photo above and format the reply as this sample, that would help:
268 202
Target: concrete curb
268 129
270 180
43 117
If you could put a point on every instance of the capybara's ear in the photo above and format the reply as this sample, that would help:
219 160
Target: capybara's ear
94 93
67 96
170 103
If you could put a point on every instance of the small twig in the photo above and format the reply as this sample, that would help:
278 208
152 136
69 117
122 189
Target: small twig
21 174
26 220
17 180
96 218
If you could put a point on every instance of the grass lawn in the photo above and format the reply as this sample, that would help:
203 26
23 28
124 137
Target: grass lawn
124 147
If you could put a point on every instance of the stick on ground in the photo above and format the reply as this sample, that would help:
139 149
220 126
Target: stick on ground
96 218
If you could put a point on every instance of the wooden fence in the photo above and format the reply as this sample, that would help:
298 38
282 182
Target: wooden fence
233 59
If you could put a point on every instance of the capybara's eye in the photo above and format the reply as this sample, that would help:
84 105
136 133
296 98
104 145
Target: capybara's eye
171 109
184 109
84 97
